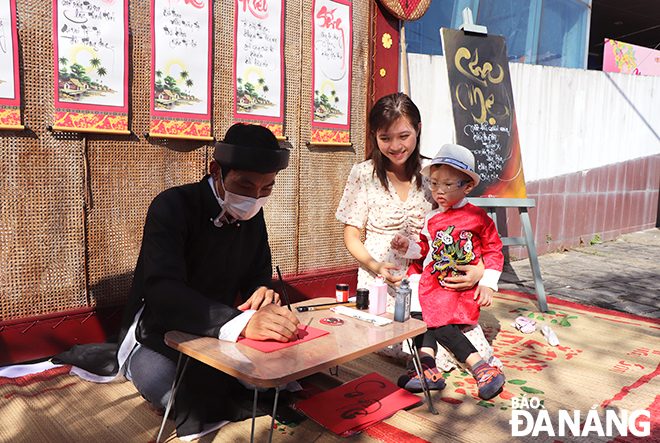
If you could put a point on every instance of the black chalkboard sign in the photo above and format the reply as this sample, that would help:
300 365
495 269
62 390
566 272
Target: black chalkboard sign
484 115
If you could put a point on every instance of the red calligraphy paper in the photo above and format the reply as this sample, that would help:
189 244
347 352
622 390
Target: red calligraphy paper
357 404
306 333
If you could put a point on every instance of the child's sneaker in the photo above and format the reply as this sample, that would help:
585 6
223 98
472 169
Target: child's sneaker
412 383
490 380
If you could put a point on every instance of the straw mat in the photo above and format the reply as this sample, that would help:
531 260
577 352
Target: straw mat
605 361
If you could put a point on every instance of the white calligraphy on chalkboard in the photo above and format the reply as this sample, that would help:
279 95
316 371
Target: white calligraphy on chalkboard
480 95
483 110
488 138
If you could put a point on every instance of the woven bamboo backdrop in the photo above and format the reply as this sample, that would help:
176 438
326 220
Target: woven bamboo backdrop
73 204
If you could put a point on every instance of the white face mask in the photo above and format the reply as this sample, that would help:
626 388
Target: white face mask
241 207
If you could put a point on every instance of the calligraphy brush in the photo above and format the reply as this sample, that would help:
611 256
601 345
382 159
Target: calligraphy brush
324 306
286 297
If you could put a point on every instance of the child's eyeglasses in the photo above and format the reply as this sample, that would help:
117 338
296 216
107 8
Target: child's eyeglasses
446 187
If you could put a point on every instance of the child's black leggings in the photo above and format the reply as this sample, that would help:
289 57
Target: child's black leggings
449 336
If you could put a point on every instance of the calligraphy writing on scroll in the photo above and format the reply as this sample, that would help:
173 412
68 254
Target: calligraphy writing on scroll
179 30
90 52
257 8
259 45
181 69
181 58
258 62
90 62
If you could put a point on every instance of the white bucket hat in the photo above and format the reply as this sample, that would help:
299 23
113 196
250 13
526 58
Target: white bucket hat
456 156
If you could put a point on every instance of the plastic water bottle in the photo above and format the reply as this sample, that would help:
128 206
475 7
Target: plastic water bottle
402 302
378 296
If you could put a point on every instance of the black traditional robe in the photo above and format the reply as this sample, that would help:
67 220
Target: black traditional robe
188 276
189 271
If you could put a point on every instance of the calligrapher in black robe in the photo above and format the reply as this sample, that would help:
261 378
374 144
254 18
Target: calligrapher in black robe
189 274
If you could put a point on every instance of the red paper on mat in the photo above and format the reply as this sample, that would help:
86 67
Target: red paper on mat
306 333
357 404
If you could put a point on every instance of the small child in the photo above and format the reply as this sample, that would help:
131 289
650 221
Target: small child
456 233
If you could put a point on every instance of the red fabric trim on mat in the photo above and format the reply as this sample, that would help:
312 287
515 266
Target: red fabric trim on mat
626 389
617 321
40 392
594 309
389 434
29 379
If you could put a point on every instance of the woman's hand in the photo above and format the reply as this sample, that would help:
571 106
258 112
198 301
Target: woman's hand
384 270
473 274
356 248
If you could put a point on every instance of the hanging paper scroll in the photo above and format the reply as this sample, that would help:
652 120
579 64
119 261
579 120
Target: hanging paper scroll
181 69
91 59
484 115
258 56
10 100
332 43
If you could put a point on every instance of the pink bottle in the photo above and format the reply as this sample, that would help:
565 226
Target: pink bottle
378 296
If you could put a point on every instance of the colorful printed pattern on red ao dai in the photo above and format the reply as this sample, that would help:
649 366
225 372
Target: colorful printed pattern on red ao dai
459 236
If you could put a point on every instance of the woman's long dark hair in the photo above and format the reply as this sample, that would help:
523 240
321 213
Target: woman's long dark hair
385 112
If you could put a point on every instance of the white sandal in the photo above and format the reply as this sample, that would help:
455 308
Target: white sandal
549 335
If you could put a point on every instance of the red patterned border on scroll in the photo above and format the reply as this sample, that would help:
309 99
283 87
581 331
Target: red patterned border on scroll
162 127
10 117
84 116
96 121
330 136
276 128
180 124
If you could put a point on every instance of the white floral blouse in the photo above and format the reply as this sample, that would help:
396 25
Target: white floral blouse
367 205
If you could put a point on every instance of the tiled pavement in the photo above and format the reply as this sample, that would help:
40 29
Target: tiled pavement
623 274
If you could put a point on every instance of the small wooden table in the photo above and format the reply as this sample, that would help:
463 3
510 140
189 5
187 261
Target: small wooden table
354 339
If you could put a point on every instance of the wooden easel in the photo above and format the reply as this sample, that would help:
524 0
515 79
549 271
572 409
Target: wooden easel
490 205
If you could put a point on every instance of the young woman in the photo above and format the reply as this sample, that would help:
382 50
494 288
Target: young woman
387 195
